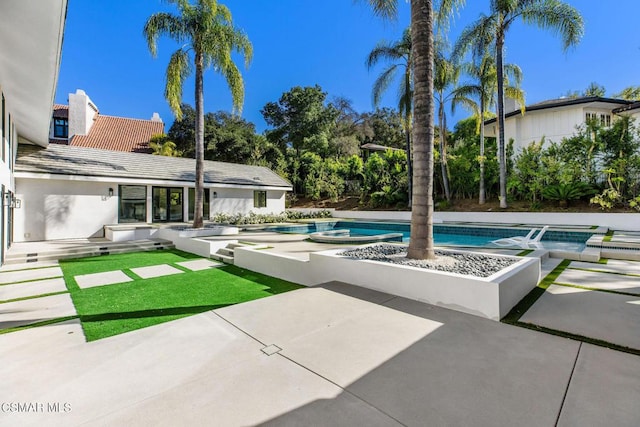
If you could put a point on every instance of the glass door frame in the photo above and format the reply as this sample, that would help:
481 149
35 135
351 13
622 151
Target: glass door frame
158 204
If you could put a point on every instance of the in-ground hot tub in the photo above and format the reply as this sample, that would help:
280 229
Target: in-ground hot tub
344 236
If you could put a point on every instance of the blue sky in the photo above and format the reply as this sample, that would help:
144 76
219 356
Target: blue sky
305 42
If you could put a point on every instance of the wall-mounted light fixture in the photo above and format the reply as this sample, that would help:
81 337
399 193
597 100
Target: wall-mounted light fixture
110 192
215 194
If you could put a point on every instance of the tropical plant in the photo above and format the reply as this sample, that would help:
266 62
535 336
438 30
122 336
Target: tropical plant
422 51
594 89
631 93
399 54
564 193
207 34
554 15
163 146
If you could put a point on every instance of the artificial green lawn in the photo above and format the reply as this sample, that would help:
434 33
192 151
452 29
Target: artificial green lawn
114 309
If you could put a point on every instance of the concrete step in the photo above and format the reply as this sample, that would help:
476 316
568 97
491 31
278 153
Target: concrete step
226 251
89 251
223 258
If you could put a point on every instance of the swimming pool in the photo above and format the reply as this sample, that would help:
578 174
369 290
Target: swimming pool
446 235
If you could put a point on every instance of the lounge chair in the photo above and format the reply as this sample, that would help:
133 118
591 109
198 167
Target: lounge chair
523 241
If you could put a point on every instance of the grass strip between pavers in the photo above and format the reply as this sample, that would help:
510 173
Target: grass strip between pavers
525 252
513 318
118 308
588 288
37 324
595 270
17 282
525 304
33 297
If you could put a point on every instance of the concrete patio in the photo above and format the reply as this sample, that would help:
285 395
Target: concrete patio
339 355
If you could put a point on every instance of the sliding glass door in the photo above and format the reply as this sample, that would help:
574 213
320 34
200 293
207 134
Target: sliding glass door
167 204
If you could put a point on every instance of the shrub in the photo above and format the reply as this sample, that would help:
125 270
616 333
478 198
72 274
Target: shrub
254 218
566 192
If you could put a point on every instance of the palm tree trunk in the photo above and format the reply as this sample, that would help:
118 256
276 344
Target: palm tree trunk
407 133
482 198
199 190
421 243
443 152
501 146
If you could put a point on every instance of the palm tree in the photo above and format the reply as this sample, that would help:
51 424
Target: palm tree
554 15
447 72
484 88
399 54
206 31
163 146
422 53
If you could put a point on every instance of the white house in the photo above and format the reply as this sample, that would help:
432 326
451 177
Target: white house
31 32
556 119
72 192
89 177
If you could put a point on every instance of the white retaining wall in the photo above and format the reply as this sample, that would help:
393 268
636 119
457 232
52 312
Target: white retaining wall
615 221
490 297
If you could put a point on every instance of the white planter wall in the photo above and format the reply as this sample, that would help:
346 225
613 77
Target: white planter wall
54 209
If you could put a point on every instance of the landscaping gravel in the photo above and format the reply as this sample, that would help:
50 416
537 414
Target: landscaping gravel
467 263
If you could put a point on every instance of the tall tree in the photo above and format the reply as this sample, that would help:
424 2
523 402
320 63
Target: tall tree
422 23
447 72
206 32
594 89
398 53
553 15
480 93
631 93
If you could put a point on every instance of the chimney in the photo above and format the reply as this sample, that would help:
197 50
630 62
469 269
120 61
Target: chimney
510 105
82 113
156 118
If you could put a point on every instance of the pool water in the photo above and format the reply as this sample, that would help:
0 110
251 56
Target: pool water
446 235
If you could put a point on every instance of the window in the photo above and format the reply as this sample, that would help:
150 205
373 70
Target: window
3 131
133 203
259 199
598 118
60 128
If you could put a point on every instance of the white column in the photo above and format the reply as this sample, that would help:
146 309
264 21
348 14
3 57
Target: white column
149 204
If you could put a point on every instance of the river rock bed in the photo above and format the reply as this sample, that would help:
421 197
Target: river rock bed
468 263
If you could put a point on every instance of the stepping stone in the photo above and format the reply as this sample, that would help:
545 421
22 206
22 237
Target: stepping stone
30 289
101 279
156 271
592 279
26 312
34 274
602 315
199 264
613 266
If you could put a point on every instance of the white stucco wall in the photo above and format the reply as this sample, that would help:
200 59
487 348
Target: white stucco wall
234 200
60 209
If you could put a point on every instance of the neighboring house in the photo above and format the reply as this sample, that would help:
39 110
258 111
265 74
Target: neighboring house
80 124
31 32
556 119
370 148
72 192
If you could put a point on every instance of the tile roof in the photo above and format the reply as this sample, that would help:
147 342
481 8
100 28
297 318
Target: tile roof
60 111
119 134
82 161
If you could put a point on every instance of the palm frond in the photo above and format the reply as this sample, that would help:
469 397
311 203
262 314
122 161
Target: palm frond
164 24
559 17
386 9
177 71
382 83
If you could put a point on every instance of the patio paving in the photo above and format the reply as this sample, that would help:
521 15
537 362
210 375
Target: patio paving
25 312
29 289
199 264
155 271
100 279
604 390
597 280
605 316
612 266
350 356
31 274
